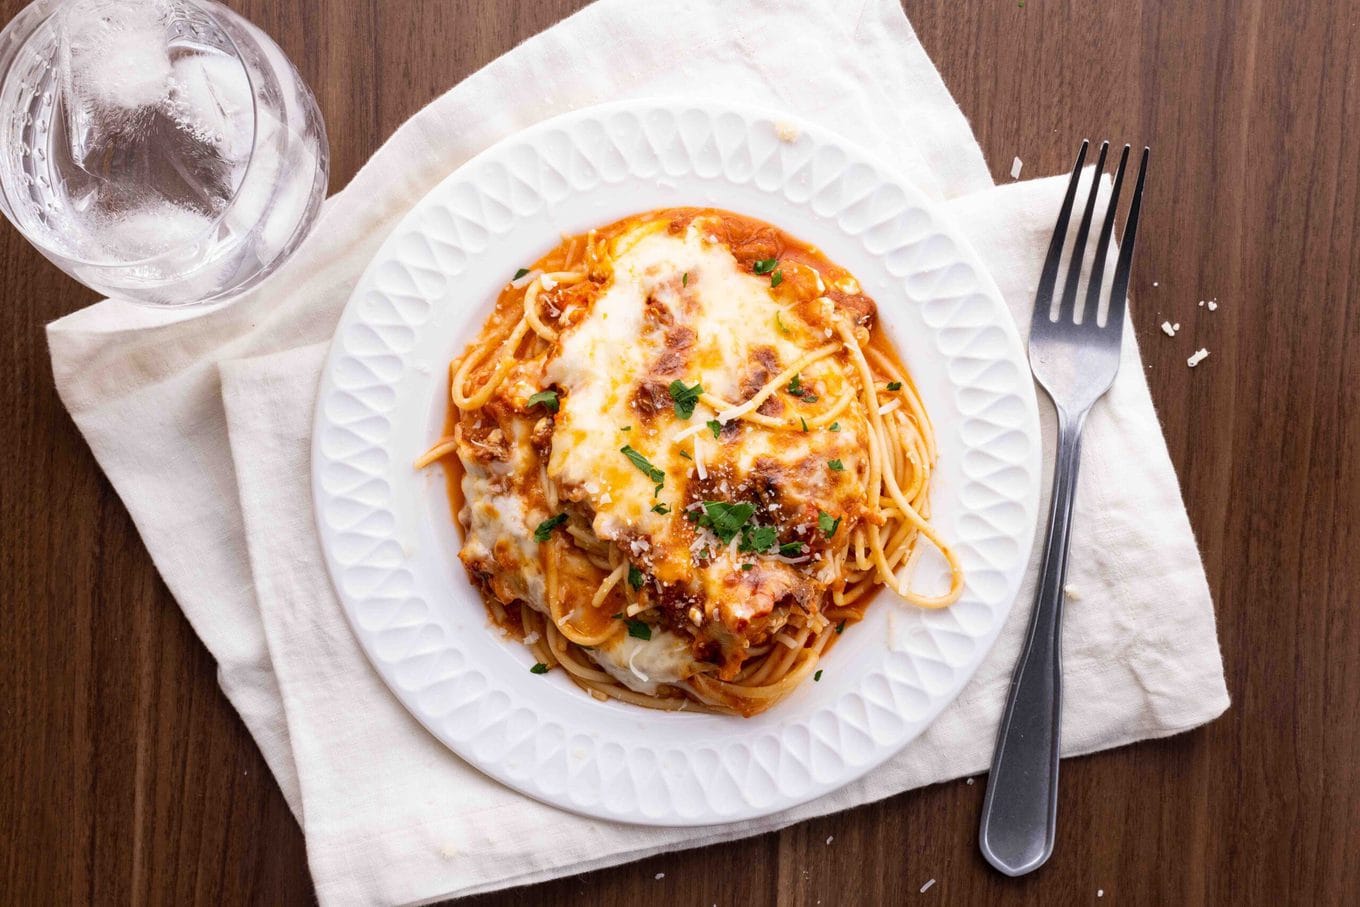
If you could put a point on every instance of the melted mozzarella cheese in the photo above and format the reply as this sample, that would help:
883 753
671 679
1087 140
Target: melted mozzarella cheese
601 359
499 542
641 664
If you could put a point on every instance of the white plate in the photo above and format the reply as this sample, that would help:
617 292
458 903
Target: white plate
389 538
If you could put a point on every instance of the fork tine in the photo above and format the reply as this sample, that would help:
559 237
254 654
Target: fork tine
1092 307
1043 298
1119 293
1069 296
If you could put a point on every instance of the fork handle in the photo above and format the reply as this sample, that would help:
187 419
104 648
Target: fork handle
1019 815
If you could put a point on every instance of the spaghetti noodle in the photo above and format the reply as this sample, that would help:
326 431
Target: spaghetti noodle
686 460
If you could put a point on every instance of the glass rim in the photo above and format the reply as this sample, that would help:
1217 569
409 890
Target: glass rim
8 55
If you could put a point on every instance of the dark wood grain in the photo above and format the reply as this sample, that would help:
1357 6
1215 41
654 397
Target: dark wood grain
128 778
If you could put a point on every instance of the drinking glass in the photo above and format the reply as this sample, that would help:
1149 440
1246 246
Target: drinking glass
160 151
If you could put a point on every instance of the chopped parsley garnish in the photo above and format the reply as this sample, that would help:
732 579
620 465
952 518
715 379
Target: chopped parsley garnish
796 389
539 668
662 509
826 524
635 577
685 397
835 426
644 465
617 615
840 627
894 385
764 265
791 549
776 279
520 273
725 519
684 279
639 629
758 538
804 421
836 466
657 490
715 426
745 567
816 678
685 454
626 428
547 398
545 528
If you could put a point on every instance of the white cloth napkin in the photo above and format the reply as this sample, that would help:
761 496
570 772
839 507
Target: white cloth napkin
203 425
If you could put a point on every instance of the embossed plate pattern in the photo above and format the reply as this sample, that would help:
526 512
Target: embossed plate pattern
389 538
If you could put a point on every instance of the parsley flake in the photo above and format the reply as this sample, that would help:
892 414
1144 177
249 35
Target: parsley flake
796 385
635 577
776 279
840 627
836 466
816 678
715 426
827 524
685 397
685 454
835 426
792 549
804 421
626 428
545 528
725 519
684 279
894 385
520 273
547 398
758 538
539 668
662 509
745 567
764 265
639 629
643 464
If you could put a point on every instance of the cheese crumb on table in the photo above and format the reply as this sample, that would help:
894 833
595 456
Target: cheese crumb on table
830 838
1071 592
1015 168
660 876
1168 329
787 132
927 885
1200 355
1211 305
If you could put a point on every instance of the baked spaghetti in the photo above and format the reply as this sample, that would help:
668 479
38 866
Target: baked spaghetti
684 458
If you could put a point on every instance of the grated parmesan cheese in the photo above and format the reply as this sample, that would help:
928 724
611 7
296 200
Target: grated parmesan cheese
1168 329
1015 168
786 132
1071 592
1200 355
926 886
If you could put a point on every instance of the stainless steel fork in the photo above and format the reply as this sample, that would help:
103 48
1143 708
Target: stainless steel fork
1074 356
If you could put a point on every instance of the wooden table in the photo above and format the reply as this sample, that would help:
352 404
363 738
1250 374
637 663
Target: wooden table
128 777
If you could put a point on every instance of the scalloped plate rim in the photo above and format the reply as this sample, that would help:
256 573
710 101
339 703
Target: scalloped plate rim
1022 537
